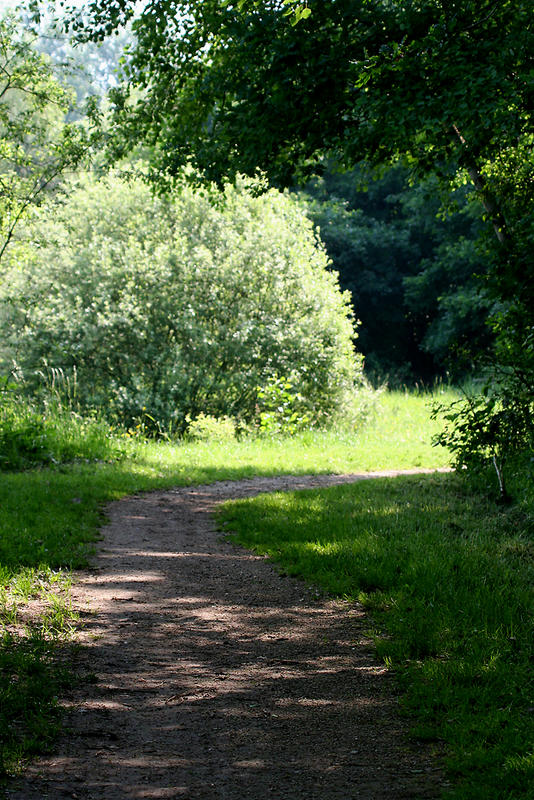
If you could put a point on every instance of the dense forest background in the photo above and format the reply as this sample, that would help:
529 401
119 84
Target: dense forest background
411 268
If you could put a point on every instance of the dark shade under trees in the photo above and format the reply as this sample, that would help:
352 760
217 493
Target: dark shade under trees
410 269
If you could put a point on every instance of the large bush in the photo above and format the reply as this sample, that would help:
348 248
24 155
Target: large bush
179 307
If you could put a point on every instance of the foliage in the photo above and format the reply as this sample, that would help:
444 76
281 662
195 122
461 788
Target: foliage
210 429
353 78
90 69
175 307
492 426
498 423
447 577
281 408
22 437
445 86
36 145
449 306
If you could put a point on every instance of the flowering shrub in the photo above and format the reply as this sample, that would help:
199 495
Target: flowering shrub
182 306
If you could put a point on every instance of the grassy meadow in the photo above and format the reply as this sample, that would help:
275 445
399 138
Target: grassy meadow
443 570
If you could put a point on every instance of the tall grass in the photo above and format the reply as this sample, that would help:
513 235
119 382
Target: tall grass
32 436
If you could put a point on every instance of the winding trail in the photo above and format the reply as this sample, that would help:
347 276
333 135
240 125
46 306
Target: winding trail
217 678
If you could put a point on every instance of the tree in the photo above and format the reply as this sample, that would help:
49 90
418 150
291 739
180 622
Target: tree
91 69
180 306
36 146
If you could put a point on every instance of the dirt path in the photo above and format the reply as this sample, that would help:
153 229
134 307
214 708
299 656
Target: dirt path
217 678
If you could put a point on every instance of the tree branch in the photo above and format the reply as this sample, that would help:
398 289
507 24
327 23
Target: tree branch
479 182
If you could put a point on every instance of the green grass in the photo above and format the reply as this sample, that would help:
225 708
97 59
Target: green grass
50 517
32 678
447 576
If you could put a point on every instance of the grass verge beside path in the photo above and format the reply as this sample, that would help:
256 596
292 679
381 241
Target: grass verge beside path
50 517
448 578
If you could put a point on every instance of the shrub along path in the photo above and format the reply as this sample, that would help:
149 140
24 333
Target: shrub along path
214 676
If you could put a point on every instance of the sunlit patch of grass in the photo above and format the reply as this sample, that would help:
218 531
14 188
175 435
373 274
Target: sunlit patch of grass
397 436
447 576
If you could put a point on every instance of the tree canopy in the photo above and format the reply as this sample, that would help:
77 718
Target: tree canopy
237 86
233 87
